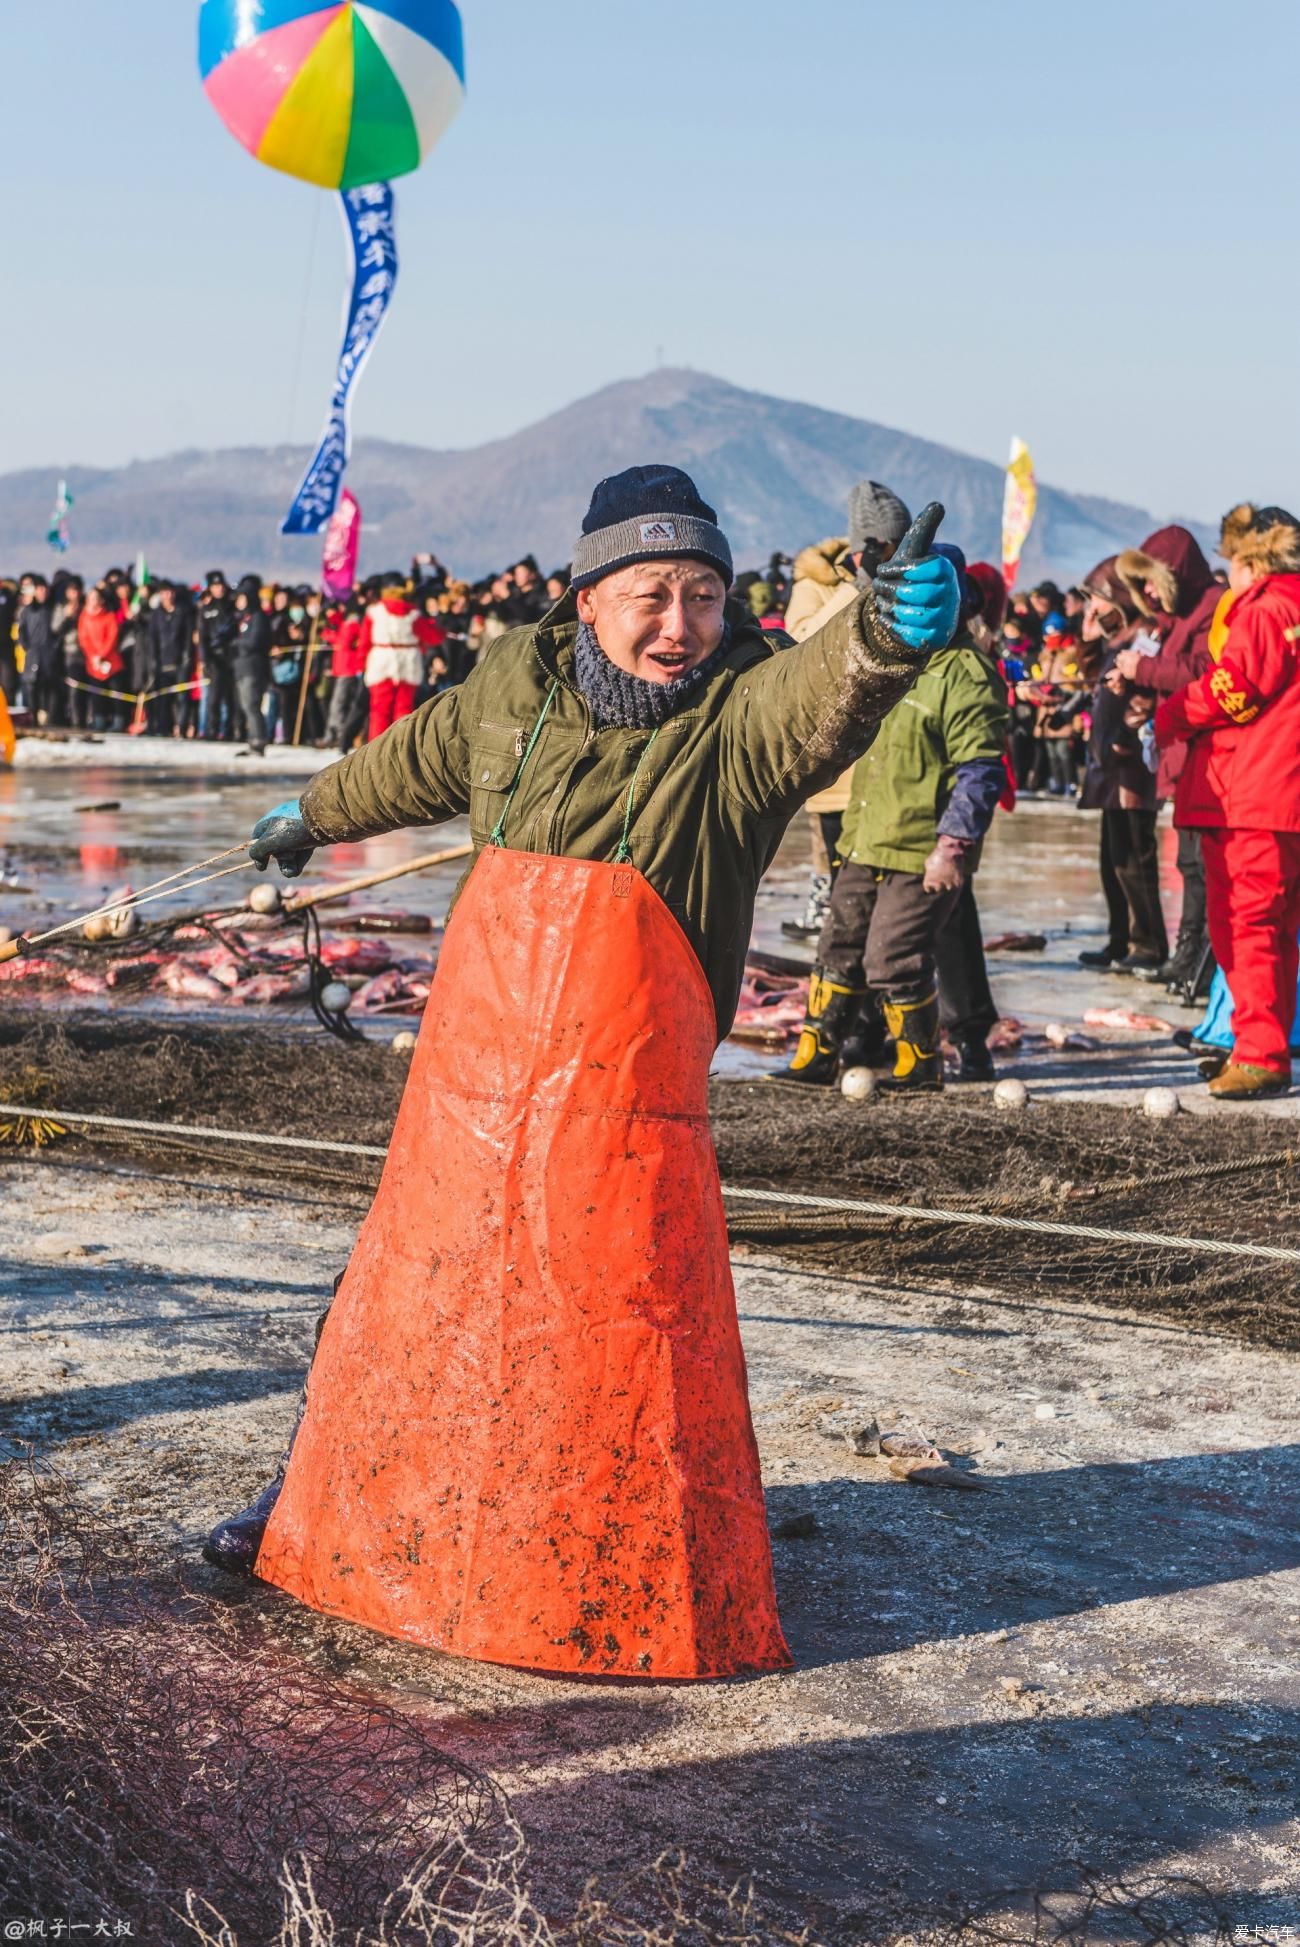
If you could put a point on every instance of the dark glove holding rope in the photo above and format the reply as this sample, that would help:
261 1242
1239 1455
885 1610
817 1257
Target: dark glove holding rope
282 836
915 600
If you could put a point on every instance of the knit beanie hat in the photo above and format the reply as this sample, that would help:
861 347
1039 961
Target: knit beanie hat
875 514
648 513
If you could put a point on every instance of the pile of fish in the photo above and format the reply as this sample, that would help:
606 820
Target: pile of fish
249 959
775 995
773 1002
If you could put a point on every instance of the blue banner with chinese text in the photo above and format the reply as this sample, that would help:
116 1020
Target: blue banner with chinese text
369 217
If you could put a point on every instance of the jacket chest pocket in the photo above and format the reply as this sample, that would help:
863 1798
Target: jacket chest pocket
493 762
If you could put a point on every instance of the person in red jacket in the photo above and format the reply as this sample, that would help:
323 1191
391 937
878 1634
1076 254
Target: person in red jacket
1170 582
349 701
98 627
1240 788
394 637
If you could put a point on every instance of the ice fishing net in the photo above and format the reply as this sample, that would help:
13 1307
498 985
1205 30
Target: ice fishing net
181 1768
1224 1179
1227 1177
162 1748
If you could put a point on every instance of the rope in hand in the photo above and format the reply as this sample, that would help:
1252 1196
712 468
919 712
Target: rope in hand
160 889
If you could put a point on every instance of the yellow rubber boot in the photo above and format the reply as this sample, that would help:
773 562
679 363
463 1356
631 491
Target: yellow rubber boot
918 1063
832 1010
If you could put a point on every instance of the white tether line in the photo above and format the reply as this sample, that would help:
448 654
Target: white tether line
985 1220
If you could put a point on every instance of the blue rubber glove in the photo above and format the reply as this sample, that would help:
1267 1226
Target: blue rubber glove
282 836
917 593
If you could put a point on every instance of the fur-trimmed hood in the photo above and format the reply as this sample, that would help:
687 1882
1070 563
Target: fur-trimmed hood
1264 539
825 563
1172 561
1106 584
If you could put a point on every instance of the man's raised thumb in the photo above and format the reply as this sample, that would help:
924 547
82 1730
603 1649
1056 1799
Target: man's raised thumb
919 538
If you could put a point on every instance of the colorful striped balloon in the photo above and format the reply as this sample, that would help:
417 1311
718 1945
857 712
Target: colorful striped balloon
339 95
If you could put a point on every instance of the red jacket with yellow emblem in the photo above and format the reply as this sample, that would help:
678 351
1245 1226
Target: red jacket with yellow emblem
1242 719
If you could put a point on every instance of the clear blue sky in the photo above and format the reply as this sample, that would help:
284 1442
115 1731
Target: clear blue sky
968 218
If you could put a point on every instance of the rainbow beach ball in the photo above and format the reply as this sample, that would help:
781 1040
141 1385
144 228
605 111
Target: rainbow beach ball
338 95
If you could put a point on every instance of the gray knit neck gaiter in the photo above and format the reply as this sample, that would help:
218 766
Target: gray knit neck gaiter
629 701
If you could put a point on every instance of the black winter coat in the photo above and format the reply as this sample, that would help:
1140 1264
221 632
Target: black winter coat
216 624
42 648
1115 760
253 644
169 636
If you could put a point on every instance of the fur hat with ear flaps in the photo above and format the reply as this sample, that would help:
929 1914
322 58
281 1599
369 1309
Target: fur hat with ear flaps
1170 561
1135 569
1263 539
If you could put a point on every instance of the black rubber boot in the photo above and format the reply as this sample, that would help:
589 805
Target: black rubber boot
918 1062
867 1042
1190 971
233 1544
831 1009
976 1061
1100 959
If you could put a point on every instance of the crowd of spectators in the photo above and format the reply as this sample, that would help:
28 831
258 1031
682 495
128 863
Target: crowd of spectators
248 662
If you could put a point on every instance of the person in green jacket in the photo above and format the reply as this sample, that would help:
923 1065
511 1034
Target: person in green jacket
645 724
923 796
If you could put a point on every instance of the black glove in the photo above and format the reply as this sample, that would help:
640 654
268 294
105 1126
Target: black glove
282 836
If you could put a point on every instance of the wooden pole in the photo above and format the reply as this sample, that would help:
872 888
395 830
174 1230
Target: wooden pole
305 678
299 902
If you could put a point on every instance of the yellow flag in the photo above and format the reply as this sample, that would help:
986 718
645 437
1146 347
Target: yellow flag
1019 505
8 742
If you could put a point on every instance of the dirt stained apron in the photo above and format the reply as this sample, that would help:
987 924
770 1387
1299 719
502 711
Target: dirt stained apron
527 1436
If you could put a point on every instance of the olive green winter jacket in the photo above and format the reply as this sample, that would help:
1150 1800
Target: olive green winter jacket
956 713
714 793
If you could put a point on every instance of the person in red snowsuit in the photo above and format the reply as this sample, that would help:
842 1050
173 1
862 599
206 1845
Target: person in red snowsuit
393 639
1241 788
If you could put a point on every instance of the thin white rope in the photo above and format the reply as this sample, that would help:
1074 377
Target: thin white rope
160 889
1215 1246
184 1129
985 1220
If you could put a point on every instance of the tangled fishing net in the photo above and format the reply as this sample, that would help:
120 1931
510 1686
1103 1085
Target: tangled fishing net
1225 1177
178 1770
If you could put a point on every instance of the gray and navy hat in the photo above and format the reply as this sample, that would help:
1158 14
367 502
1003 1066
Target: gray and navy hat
648 513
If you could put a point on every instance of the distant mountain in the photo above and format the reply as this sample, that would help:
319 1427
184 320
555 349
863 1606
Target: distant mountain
778 472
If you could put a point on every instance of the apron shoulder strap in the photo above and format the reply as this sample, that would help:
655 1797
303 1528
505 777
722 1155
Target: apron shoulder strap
498 835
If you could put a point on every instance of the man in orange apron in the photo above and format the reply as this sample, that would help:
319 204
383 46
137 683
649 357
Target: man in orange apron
526 1434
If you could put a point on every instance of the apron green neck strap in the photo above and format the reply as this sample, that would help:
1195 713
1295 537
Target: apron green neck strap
623 856
499 829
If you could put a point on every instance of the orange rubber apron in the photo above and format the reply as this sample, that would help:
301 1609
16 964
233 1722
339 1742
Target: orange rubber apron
527 1436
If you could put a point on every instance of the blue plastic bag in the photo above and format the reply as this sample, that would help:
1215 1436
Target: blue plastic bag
1216 1029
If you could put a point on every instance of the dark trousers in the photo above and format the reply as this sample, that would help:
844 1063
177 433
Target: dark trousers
1130 879
217 712
249 688
348 711
79 698
965 999
49 696
1191 867
832 824
1059 752
881 932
